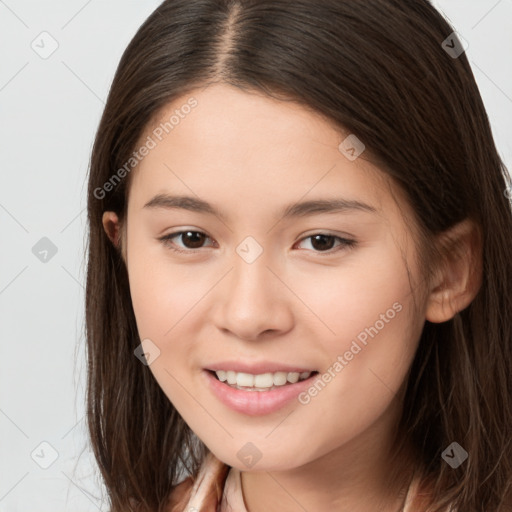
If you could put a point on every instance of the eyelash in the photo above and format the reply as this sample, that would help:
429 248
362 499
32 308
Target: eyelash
345 244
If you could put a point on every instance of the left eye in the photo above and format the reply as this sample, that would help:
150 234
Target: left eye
324 242
193 240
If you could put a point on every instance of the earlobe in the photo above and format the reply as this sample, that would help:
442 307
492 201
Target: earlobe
459 275
111 226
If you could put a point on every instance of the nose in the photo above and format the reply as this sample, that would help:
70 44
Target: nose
252 302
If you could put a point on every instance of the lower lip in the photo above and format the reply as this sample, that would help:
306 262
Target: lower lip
256 403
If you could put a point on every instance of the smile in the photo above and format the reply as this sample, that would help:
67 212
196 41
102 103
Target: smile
260 382
262 396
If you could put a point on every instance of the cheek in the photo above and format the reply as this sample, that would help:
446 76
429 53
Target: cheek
162 292
166 299
369 346
365 298
368 332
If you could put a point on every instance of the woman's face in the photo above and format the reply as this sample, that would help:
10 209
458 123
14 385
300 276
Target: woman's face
266 282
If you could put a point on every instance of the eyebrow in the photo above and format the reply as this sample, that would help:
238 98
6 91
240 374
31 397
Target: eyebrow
302 209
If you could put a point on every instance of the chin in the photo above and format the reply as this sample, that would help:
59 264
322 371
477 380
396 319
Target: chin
260 462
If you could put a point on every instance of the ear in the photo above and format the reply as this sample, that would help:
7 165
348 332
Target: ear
111 226
459 274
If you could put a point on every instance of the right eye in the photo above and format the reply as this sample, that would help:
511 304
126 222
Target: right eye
192 240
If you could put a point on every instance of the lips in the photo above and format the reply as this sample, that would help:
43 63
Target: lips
254 401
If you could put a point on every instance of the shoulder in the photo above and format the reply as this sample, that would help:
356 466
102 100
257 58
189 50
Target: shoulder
203 491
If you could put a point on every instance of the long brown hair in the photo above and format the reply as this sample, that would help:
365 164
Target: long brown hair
379 69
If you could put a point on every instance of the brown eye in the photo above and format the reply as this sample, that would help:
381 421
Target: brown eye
191 240
323 242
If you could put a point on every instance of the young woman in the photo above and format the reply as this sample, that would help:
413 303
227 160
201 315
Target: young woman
298 292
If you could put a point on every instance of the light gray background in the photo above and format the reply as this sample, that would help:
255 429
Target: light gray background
49 111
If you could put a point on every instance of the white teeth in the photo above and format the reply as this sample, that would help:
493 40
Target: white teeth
293 377
245 380
280 378
261 382
265 380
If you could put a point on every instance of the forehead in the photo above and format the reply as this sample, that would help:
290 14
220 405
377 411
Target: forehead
249 151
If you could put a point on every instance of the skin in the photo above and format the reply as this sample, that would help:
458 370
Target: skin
250 156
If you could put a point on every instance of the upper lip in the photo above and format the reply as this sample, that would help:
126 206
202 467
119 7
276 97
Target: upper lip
256 368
